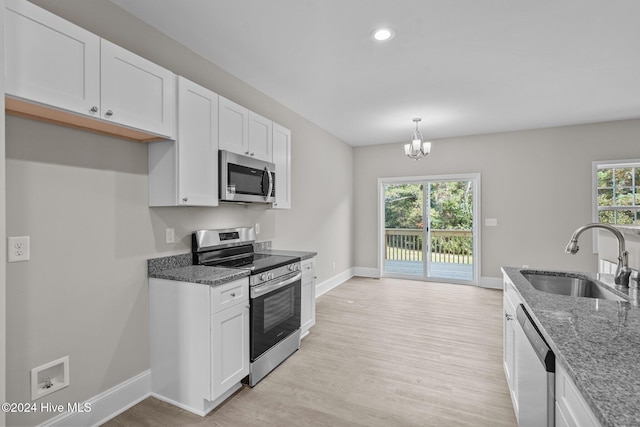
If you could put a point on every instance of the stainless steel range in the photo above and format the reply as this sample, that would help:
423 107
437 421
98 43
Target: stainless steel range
275 288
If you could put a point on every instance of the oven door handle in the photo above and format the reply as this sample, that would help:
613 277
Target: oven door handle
256 291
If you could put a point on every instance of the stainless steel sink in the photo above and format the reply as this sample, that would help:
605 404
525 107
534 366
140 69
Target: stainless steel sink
573 285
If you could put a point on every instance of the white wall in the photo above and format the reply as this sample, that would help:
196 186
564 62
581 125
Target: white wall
82 198
537 184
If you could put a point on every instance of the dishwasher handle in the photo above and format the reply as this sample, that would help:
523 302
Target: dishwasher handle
540 346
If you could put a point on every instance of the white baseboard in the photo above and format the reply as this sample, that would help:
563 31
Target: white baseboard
335 281
106 405
491 282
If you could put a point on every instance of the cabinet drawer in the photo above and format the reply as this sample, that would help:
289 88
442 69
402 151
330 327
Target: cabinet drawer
511 294
308 267
229 294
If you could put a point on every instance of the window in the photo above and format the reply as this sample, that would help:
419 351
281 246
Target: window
617 192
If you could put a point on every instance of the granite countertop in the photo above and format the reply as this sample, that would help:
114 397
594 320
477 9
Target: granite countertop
213 276
597 341
181 268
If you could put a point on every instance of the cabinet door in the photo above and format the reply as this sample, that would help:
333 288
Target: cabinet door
571 407
282 160
260 137
50 60
136 92
233 127
197 145
509 350
308 296
229 348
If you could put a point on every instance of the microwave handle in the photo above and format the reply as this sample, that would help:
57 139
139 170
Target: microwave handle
268 195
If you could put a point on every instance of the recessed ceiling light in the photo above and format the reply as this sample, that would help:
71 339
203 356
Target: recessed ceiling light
383 34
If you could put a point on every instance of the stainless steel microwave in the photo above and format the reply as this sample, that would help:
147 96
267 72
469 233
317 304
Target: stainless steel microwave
245 179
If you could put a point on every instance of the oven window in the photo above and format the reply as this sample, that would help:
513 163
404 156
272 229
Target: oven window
278 308
274 316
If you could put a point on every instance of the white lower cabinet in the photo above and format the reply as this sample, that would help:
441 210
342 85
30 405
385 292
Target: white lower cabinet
510 338
308 303
199 342
571 408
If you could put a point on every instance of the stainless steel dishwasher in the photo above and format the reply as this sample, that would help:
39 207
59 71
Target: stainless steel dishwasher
535 366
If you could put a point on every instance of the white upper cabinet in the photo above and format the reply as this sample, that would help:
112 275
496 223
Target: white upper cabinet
260 137
136 92
66 69
50 60
245 132
282 160
185 171
233 127
197 144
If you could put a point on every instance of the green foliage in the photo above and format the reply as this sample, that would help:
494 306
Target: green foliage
450 205
403 206
619 187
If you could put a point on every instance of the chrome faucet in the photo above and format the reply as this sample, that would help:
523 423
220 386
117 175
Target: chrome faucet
623 271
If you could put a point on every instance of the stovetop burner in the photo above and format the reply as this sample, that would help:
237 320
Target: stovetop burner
233 248
255 262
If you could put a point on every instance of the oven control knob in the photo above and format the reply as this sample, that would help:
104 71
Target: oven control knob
264 277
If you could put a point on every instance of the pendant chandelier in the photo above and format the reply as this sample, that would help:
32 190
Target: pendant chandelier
418 148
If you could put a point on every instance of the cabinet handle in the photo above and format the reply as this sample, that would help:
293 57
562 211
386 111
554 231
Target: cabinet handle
109 113
508 316
252 154
184 199
247 306
246 152
94 109
233 295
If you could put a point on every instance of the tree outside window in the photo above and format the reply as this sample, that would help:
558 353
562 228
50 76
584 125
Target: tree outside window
618 193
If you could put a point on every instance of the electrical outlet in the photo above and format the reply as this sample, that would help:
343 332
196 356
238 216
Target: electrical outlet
170 235
19 249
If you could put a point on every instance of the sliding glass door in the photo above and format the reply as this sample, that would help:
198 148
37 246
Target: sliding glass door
429 228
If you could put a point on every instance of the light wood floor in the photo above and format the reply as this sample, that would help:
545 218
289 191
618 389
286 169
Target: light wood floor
383 353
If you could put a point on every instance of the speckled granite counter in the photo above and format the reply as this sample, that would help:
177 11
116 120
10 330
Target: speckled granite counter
597 341
180 268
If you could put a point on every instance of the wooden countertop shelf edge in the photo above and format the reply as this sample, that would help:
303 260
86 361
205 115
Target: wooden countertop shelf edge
20 108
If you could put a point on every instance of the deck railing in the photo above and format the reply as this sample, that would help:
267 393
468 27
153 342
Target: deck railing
453 246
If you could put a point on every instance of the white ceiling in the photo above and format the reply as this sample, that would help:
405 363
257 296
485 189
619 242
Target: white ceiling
465 66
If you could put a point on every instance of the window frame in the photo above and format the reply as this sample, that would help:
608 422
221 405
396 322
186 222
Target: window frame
602 164
611 164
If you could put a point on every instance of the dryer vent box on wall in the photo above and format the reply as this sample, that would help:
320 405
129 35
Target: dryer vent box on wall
50 377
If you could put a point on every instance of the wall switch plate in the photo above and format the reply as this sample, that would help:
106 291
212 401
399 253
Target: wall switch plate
18 249
257 228
170 235
491 222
